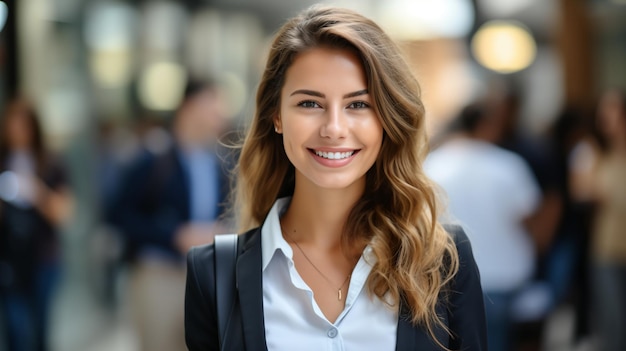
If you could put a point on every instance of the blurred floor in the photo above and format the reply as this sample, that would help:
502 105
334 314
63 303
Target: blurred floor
559 332
82 322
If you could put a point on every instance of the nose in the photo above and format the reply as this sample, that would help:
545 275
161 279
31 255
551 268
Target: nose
335 124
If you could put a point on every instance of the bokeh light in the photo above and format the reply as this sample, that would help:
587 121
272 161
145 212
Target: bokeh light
424 19
504 47
161 85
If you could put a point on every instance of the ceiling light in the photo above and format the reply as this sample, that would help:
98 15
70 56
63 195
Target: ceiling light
504 47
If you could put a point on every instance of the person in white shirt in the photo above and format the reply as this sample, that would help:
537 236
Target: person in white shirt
491 191
341 249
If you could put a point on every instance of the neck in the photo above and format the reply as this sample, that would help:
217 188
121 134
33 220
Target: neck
619 145
317 216
21 149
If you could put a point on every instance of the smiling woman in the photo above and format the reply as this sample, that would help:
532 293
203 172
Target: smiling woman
342 249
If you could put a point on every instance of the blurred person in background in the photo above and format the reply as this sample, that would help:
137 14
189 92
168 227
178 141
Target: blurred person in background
490 191
116 147
170 199
35 202
601 177
553 256
565 265
537 153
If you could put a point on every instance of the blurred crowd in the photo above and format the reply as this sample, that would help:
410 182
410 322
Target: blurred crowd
545 214
160 196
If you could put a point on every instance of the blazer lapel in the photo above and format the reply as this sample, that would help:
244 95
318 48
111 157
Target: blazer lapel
250 288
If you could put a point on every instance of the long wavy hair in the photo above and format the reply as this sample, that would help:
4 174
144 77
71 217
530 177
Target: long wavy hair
615 99
397 213
21 108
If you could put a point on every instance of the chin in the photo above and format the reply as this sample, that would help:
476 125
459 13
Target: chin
339 184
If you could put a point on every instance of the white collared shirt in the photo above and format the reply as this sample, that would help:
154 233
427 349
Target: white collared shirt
294 321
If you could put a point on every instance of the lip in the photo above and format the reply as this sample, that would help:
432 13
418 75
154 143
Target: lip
333 163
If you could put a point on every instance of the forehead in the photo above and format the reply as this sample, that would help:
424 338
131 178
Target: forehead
326 68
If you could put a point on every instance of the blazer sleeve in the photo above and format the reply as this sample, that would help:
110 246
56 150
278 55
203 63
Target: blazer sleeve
467 310
201 331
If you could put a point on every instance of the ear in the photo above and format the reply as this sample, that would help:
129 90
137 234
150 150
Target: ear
278 126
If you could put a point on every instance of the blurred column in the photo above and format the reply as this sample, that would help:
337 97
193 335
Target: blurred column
110 36
574 38
54 74
229 47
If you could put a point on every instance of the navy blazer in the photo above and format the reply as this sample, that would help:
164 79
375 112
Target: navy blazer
152 201
464 314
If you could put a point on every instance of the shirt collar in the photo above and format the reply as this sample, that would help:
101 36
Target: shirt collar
272 239
271 235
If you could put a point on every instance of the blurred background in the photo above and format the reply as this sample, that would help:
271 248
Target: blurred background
107 76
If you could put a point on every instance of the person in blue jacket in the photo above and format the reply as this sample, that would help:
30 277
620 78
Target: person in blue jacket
167 202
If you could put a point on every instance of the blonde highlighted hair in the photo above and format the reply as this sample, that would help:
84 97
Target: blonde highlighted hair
397 214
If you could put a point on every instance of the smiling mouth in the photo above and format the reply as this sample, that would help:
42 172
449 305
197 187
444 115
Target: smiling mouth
334 155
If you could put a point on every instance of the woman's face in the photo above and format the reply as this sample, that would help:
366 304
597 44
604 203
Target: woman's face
331 132
611 118
18 129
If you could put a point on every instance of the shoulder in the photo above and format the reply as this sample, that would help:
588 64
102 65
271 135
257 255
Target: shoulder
203 257
142 161
441 153
147 164
200 268
460 239
508 160
201 263
468 271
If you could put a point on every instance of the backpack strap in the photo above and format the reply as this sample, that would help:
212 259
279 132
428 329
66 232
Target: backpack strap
225 262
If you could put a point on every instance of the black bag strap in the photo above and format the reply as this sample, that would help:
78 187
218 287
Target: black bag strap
225 261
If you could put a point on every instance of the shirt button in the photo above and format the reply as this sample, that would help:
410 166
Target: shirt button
332 332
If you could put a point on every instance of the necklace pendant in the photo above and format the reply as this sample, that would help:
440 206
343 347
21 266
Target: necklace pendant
339 294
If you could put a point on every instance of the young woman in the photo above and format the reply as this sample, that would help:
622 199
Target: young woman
343 250
35 201
599 178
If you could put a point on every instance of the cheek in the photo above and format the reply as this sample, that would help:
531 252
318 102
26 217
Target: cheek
292 137
608 121
373 132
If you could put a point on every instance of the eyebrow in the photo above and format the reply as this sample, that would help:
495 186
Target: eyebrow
318 94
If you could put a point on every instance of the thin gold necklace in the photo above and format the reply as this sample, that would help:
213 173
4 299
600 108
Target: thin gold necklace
339 290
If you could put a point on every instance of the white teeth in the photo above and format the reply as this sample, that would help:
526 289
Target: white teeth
334 155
